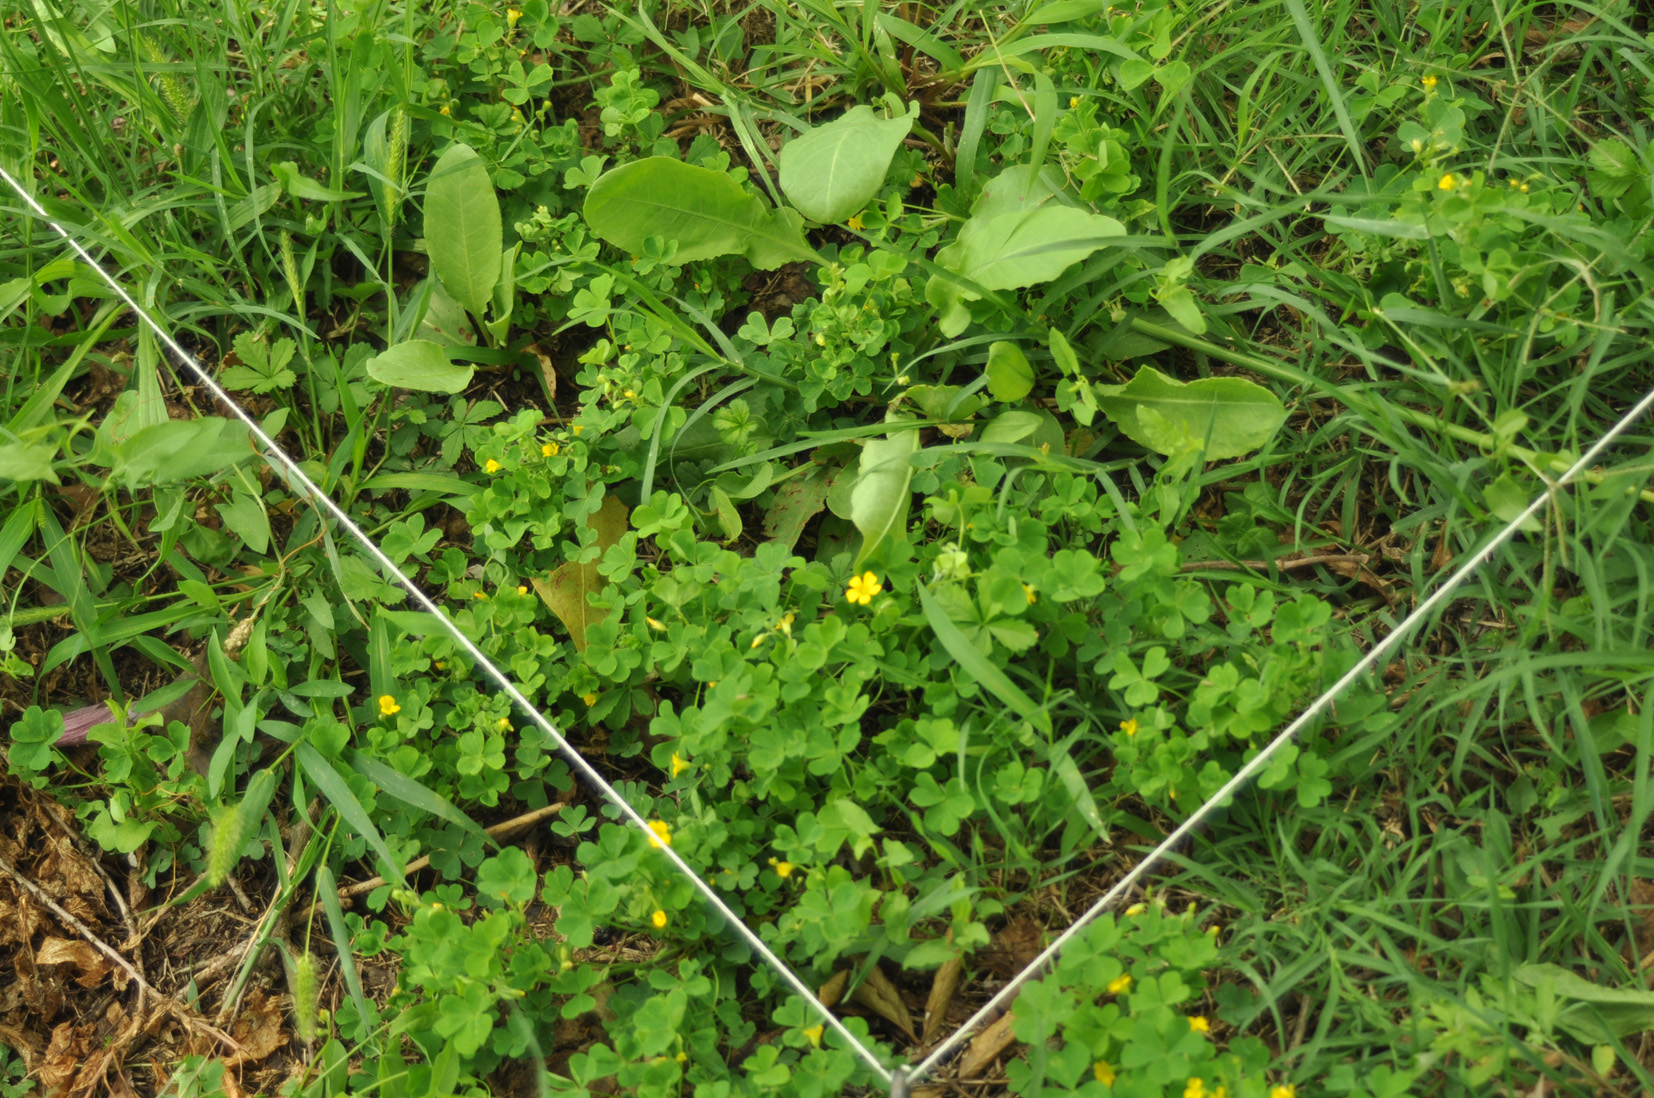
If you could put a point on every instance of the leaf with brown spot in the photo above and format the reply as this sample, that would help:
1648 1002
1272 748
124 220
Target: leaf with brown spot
797 500
565 592
879 995
941 996
988 1046
90 965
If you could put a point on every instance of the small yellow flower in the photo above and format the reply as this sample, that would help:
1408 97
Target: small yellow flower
1030 594
1195 1088
1198 1024
679 764
782 869
862 588
1447 182
813 1035
1129 726
549 450
1285 1090
512 15
440 666
1214 930
444 108
855 223
1523 188
479 594
629 394
1104 1071
657 626
821 341
681 1057
589 699
522 589
578 427
1136 909
491 466
503 724
1073 101
1429 83
388 706
659 919
1221 1092
759 639
662 835
1120 984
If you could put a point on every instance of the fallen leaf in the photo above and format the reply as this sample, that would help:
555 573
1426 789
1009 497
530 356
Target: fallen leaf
258 1029
942 988
879 995
90 965
833 990
987 1047
565 591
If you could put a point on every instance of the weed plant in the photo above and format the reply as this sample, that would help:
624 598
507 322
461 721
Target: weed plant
919 452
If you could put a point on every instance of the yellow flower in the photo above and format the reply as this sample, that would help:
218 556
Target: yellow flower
657 626
1285 1090
522 590
759 639
440 666
681 1057
512 15
1221 1092
1073 101
1129 726
1104 1071
662 835
813 1035
1447 182
1195 1088
1198 1024
491 466
782 869
862 588
1120 984
679 764
578 427
1030 594
821 340
629 394
444 108
659 919
388 706
855 223
1136 909
589 699
1429 83
1523 188
549 450
503 724
478 595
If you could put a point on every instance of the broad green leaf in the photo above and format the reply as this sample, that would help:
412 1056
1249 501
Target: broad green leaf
977 667
299 186
23 461
565 591
1594 1014
1012 426
1021 249
245 517
462 227
420 365
706 212
180 449
1010 378
1226 416
1506 498
337 791
445 321
836 169
880 498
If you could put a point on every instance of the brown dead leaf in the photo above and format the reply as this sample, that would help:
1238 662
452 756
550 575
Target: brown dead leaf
1016 944
258 1028
879 995
90 965
941 996
833 990
61 1060
565 591
987 1047
548 372
67 868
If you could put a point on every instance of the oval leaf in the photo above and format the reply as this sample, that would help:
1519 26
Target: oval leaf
462 228
880 497
706 212
1226 416
836 169
1019 249
1009 375
422 365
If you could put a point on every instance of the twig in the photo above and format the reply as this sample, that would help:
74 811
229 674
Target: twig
1285 564
182 1013
499 830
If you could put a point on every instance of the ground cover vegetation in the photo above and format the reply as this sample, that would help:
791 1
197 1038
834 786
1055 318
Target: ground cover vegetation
918 452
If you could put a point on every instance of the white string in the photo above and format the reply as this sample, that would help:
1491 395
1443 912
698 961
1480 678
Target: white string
294 473
1258 762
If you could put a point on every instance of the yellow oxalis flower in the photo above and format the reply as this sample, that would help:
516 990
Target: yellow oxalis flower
589 699
1129 726
1429 83
862 588
491 466
1137 909
1030 593
388 706
1104 1071
549 450
782 869
1195 1088
1286 1090
659 919
813 1035
1199 1024
855 223
1120 984
662 834
1447 182
679 764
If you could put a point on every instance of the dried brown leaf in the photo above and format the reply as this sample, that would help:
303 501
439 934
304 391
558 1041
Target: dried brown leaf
833 990
987 1047
879 995
90 966
942 988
